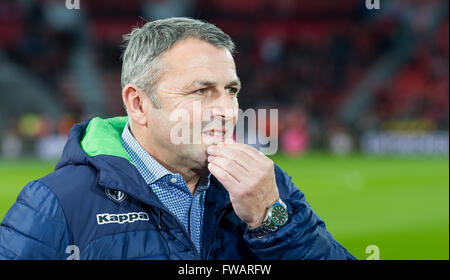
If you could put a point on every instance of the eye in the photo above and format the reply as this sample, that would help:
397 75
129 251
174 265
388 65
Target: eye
201 91
232 90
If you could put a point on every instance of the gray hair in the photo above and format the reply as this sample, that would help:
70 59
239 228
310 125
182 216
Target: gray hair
144 45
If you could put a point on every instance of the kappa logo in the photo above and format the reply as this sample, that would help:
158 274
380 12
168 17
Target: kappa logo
132 217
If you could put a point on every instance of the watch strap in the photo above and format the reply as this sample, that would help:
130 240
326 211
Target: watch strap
267 226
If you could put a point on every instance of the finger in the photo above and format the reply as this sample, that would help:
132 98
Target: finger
223 176
251 152
231 166
243 159
256 159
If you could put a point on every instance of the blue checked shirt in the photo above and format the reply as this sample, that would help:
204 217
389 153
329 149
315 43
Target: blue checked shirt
170 188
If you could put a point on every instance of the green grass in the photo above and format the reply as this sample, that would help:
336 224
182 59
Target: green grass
399 204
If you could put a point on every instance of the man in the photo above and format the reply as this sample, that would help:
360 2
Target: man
125 190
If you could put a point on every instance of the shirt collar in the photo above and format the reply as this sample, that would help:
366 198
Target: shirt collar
149 168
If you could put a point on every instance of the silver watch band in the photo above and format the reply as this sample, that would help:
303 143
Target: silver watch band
267 226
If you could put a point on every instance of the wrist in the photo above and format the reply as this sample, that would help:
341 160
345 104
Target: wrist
260 220
264 215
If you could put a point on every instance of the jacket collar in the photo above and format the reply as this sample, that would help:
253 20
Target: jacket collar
115 168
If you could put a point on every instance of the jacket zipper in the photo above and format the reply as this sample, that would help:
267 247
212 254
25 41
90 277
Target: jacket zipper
197 255
222 213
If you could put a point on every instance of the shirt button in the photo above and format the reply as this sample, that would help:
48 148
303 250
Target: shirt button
173 180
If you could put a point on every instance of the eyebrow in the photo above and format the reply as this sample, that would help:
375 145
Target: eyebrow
205 83
236 83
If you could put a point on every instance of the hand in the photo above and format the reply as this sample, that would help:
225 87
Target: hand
249 177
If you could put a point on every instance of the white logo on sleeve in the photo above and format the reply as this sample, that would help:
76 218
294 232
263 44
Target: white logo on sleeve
132 217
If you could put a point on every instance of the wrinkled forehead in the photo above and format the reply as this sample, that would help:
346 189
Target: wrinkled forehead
193 59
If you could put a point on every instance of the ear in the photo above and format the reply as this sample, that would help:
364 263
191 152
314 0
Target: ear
135 101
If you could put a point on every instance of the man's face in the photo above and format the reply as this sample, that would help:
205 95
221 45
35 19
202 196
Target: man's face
199 80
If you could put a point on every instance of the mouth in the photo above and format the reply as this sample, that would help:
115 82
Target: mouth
215 133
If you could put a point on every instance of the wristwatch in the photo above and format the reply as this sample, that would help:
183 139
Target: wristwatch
277 217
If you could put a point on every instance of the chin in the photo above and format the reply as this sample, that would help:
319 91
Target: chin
196 153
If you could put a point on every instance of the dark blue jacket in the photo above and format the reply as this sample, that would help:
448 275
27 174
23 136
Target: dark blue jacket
71 206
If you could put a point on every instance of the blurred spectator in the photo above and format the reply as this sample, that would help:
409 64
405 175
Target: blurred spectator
66 123
291 55
11 146
158 9
294 137
340 142
51 147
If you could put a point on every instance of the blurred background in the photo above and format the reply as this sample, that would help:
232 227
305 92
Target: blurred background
362 99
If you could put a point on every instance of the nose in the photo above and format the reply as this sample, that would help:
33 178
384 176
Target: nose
224 106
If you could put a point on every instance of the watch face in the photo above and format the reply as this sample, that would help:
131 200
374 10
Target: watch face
279 215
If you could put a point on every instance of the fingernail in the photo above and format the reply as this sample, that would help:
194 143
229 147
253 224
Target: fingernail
210 149
210 158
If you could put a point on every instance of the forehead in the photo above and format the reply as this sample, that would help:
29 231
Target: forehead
193 59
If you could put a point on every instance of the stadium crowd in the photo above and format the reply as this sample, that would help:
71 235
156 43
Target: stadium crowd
304 58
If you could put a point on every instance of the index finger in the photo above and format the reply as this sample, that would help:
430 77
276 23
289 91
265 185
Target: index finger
244 148
237 156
